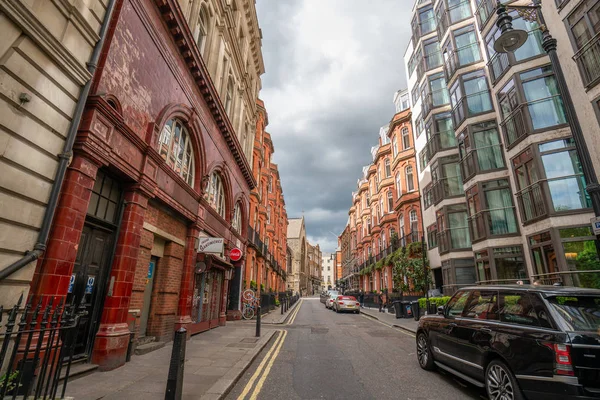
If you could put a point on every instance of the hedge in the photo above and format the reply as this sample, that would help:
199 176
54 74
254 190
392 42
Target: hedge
438 301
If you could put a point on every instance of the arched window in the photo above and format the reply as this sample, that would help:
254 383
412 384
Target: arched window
202 30
216 194
390 199
236 222
229 97
175 147
388 169
395 146
269 214
398 185
405 138
410 182
401 224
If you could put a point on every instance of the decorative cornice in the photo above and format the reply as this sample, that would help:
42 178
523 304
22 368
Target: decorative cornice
180 31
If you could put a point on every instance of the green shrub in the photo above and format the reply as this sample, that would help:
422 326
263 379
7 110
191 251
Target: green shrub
277 302
438 301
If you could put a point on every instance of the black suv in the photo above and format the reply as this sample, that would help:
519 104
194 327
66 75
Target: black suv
518 341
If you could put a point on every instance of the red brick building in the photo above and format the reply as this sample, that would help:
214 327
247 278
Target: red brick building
267 251
157 165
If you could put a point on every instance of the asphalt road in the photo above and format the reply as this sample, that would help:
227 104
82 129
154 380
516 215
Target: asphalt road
324 355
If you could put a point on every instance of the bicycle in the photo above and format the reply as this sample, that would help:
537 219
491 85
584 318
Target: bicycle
250 304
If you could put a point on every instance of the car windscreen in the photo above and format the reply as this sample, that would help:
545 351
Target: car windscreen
577 313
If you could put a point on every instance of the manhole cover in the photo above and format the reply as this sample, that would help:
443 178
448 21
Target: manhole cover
249 340
242 345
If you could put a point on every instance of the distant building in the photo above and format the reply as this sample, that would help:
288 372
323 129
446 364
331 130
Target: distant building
297 277
328 270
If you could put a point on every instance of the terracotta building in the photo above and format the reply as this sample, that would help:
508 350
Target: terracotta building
385 210
266 262
161 160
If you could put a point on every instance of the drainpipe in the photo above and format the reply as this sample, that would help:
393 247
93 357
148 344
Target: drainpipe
65 157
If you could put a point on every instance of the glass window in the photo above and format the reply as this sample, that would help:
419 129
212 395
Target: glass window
432 236
459 230
584 22
439 90
105 198
405 138
469 96
577 313
544 102
395 147
410 181
565 176
517 308
432 54
175 147
580 253
236 222
388 169
398 185
390 199
483 304
216 194
459 10
457 304
501 214
426 20
467 46
509 263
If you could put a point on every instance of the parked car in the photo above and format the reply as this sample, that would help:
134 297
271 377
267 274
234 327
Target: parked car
518 341
346 303
332 294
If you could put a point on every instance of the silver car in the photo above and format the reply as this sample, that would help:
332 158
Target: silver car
332 295
346 303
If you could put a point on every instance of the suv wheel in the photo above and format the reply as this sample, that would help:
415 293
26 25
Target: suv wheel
500 383
424 352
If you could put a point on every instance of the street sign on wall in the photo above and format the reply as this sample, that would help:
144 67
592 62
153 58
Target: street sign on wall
210 245
596 225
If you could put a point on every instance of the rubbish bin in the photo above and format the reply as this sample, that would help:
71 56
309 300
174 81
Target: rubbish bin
407 309
416 310
399 309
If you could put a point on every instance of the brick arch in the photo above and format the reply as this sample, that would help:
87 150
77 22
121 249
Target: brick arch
191 121
221 168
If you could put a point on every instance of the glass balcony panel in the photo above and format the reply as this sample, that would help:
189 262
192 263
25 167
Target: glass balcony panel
459 10
498 65
531 201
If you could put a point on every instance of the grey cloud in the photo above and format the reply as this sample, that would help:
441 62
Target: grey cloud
332 69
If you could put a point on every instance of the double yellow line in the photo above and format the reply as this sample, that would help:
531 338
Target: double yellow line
261 371
294 313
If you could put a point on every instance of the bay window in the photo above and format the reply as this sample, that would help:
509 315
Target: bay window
470 96
584 29
480 149
440 134
446 179
453 228
461 49
502 265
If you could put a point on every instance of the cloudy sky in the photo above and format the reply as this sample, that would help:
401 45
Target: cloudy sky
332 68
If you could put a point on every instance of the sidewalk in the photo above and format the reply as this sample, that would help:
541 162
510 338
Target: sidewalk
214 361
276 318
407 324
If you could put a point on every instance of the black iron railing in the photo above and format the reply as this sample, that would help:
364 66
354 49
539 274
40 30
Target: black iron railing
499 63
531 202
37 349
588 61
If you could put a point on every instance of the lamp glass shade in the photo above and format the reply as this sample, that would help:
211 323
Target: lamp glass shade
510 41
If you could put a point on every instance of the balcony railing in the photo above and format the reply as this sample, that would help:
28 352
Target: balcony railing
531 203
460 57
588 61
432 60
496 222
440 141
498 65
579 278
446 188
437 98
514 127
470 105
485 10
442 24
470 167
454 239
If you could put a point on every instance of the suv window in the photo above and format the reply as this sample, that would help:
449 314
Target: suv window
483 304
457 304
518 308
577 313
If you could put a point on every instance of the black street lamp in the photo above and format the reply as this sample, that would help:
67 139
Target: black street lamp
509 41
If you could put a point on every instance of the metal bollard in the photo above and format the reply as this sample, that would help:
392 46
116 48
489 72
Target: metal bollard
175 378
281 304
258 323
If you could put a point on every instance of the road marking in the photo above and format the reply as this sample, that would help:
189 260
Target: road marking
261 366
389 326
293 317
262 379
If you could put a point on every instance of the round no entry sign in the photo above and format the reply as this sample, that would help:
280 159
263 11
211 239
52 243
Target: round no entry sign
235 254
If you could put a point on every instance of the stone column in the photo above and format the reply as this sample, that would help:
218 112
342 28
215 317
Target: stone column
54 269
187 278
112 339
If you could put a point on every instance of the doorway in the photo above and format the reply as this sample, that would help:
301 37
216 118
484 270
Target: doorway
148 295
87 282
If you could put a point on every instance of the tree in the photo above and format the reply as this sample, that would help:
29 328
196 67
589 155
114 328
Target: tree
408 272
587 260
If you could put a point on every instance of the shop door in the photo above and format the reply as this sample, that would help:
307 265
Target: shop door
89 276
147 296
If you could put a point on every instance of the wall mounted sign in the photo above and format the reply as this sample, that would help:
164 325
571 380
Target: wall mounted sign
235 254
210 245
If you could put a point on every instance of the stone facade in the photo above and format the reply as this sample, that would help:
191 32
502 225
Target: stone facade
298 278
44 50
315 265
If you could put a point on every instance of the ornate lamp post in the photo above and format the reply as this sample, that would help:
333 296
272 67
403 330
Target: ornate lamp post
509 41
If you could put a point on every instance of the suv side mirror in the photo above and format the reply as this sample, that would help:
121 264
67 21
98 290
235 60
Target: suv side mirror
441 310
